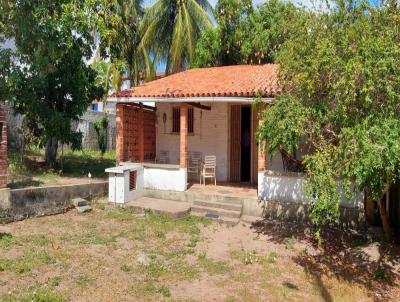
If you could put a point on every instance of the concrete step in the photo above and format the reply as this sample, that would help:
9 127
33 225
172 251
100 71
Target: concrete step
218 205
214 211
174 209
79 202
83 209
250 219
214 197
230 199
226 220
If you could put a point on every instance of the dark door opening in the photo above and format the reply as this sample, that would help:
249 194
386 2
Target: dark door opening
245 158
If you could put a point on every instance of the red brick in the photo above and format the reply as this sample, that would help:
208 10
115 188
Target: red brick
132 124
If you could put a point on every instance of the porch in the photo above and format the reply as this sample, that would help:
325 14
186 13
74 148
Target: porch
225 202
163 138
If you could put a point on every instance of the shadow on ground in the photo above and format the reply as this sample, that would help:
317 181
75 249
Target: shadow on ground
78 166
26 182
345 254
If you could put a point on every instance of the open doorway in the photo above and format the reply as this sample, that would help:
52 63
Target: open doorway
245 144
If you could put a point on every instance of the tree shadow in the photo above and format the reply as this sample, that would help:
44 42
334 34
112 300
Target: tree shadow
343 254
24 183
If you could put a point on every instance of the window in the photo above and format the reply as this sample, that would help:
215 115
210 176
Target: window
176 120
190 120
1 132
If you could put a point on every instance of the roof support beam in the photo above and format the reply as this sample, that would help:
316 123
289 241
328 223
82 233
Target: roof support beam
199 105
139 105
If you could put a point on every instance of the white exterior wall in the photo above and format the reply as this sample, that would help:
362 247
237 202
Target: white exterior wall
210 136
164 179
118 183
289 187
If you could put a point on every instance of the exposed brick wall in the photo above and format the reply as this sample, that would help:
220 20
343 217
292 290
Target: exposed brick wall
3 147
136 134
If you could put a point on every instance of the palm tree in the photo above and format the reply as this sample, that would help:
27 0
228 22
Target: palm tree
170 30
121 39
110 76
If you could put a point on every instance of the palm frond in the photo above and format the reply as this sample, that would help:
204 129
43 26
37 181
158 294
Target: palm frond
171 28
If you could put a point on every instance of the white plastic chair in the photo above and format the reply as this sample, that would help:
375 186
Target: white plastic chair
209 169
194 163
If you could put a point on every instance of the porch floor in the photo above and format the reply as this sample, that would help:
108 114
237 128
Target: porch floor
243 190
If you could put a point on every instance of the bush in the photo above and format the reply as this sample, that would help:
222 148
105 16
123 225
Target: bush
100 127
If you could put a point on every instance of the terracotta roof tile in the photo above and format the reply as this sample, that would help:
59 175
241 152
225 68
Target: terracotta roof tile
226 81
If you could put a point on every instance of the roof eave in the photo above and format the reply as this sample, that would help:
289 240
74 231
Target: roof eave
229 99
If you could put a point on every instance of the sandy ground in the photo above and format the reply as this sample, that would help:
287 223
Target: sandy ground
99 257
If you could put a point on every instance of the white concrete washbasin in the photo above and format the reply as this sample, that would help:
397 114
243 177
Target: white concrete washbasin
125 183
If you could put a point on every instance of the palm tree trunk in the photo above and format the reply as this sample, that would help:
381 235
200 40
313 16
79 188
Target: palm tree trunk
167 66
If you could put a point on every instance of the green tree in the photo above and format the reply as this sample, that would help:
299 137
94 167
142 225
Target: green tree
341 84
100 127
5 71
170 30
120 40
52 85
245 35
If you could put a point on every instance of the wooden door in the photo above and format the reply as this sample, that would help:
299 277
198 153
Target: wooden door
235 143
254 146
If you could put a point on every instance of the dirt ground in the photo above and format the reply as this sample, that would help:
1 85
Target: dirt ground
119 255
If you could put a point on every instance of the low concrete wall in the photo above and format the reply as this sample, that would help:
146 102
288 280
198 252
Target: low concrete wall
282 196
41 201
165 179
281 186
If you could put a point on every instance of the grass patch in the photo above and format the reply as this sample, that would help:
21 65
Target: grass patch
85 280
55 281
290 243
121 214
154 270
246 257
126 268
149 288
272 257
213 267
80 163
7 240
143 289
44 294
24 264
94 238
184 270
38 240
164 290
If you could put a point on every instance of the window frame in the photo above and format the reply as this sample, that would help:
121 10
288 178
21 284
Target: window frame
176 120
